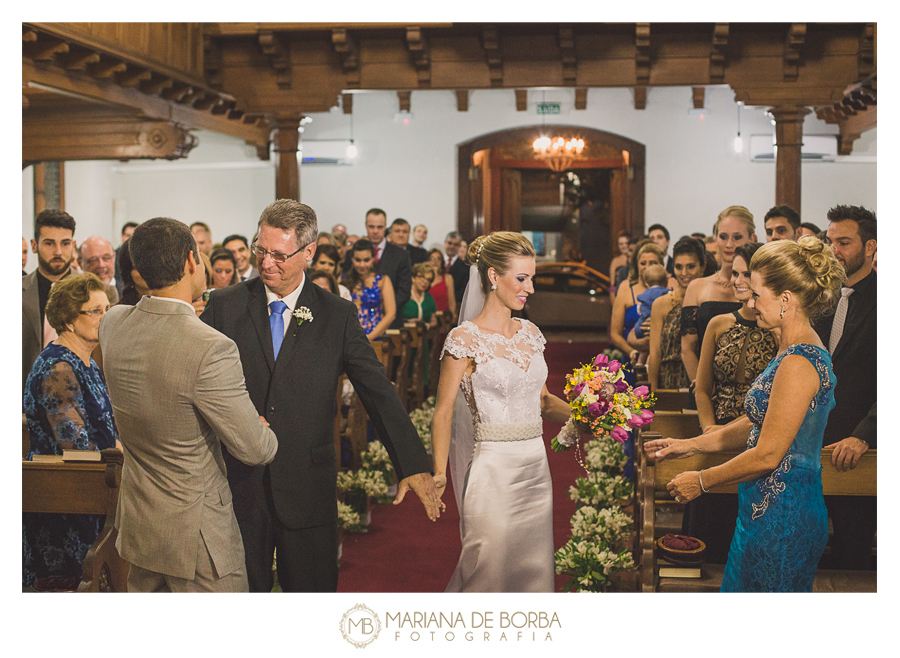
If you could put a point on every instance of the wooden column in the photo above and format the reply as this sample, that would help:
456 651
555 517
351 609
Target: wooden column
286 138
789 139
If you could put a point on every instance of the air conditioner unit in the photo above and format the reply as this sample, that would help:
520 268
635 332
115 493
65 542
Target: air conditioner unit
324 152
816 148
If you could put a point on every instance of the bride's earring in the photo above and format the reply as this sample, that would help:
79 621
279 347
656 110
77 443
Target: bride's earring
494 287
782 311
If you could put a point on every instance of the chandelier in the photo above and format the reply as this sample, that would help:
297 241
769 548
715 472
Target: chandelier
557 152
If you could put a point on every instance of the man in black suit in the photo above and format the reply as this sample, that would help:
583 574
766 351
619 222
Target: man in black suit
455 266
851 428
294 343
400 238
389 259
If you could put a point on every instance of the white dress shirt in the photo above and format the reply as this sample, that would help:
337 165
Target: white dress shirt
290 300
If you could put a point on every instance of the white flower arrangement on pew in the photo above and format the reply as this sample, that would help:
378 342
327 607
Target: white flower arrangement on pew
358 487
421 419
348 518
377 460
601 489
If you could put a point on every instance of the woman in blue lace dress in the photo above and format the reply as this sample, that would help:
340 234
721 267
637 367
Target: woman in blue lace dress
782 524
372 293
67 407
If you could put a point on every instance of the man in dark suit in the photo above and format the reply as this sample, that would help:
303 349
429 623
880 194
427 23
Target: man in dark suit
390 260
455 266
851 336
400 238
54 244
660 235
127 231
294 342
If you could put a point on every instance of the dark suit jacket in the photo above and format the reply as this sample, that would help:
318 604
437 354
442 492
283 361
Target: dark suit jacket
32 328
459 271
855 367
296 395
416 254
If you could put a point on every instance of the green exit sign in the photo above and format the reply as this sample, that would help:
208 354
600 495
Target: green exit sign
548 108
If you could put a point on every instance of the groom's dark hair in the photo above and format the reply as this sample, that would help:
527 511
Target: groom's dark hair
159 249
287 214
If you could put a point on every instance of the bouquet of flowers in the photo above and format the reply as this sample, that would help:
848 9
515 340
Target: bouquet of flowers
603 403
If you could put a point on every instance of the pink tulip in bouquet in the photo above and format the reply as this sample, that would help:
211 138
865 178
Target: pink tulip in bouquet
603 403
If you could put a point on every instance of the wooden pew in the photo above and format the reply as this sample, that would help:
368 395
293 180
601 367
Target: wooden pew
436 337
675 424
82 488
671 399
26 440
416 387
651 492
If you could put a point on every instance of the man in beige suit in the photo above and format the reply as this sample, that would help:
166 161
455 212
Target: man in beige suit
177 390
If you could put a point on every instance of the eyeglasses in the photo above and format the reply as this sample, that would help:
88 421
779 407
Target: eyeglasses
277 256
96 259
95 312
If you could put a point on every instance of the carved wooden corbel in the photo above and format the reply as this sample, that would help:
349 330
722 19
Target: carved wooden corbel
717 55
131 77
521 100
212 62
419 54
106 68
404 99
462 100
567 54
793 48
642 53
43 48
866 53
580 98
640 98
347 103
278 52
698 95
490 41
347 47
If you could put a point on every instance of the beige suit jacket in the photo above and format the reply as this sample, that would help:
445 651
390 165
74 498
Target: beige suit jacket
177 390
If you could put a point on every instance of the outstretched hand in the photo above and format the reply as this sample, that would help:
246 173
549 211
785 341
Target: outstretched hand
668 449
424 487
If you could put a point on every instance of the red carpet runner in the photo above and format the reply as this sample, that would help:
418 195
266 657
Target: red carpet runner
404 552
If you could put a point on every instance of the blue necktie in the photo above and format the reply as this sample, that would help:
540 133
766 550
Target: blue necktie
276 324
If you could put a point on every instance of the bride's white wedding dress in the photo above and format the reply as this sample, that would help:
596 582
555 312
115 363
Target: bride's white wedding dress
506 514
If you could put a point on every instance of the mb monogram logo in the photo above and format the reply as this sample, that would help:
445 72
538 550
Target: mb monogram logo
360 626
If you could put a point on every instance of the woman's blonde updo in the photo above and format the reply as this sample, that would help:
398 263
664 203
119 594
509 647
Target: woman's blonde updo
497 250
807 268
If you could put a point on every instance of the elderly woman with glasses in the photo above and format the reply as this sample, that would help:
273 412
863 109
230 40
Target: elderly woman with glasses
67 408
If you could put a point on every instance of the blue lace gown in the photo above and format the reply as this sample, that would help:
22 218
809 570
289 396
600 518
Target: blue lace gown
371 310
66 405
782 524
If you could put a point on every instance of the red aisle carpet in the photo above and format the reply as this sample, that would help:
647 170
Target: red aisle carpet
404 552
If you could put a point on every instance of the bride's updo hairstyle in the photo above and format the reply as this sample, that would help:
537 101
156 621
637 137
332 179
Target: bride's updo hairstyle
807 268
497 250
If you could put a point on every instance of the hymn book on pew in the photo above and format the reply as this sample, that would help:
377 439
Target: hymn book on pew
81 456
671 570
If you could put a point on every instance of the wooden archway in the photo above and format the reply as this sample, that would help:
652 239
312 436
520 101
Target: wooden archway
478 183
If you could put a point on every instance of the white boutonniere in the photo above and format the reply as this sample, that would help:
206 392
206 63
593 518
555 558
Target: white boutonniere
302 314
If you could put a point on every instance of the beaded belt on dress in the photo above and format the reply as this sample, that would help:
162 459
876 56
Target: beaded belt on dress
508 431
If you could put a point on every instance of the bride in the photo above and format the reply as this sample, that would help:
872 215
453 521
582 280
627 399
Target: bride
498 462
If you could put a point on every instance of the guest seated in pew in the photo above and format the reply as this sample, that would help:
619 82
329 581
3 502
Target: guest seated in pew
372 293
664 366
782 524
442 289
324 280
625 313
67 408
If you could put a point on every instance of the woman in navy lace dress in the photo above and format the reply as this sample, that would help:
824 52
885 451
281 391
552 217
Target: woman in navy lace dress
372 293
67 407
782 524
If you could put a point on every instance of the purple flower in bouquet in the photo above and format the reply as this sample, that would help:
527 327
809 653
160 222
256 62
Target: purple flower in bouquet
614 366
647 415
621 386
635 420
594 409
641 391
619 434
578 389
601 361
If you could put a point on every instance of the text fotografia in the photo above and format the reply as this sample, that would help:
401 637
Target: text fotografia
479 626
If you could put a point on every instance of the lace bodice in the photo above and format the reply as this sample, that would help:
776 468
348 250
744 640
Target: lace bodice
509 374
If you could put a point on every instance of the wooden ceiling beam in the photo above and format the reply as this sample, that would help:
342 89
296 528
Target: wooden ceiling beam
152 107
